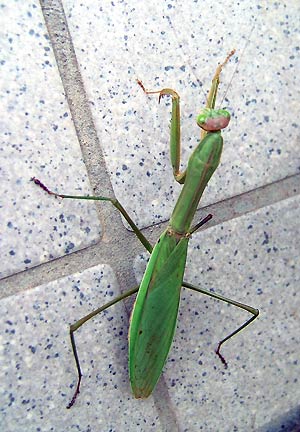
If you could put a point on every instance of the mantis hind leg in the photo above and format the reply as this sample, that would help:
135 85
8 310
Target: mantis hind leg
82 321
250 309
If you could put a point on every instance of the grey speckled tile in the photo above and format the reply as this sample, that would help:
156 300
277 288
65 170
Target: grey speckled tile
37 367
117 42
38 139
253 259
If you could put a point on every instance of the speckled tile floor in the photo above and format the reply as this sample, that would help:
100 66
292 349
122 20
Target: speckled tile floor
73 116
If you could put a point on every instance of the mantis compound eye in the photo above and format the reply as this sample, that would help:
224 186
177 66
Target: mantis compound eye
212 120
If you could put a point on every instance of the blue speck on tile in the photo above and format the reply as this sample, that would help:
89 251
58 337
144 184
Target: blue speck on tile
69 247
266 240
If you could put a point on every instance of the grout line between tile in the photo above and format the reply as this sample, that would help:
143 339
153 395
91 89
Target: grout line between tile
108 252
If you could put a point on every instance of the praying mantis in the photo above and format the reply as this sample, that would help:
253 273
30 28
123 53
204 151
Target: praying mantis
154 314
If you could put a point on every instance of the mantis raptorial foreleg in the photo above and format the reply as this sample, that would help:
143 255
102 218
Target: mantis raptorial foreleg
175 138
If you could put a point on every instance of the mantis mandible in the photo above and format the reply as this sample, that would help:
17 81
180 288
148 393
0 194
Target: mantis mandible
154 315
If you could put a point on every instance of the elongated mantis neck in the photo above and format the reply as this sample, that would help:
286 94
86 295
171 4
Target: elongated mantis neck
201 166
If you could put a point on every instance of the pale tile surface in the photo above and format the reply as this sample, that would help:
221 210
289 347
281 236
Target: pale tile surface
38 139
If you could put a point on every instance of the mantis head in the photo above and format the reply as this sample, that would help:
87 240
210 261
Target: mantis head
212 120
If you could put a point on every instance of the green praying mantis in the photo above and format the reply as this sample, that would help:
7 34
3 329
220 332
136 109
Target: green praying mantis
154 315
